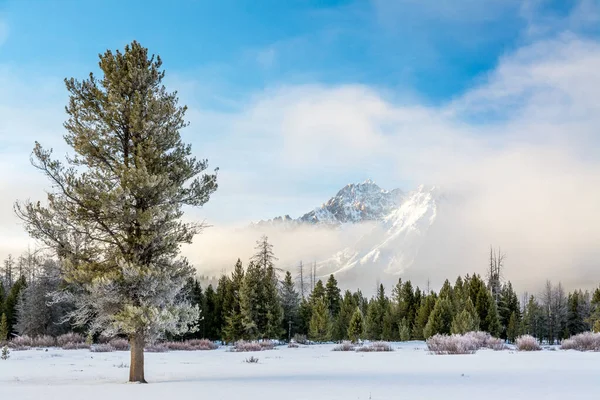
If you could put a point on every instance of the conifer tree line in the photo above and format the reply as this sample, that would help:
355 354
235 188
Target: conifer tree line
258 301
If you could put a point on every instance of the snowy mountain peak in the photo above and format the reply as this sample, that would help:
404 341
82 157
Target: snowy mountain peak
355 203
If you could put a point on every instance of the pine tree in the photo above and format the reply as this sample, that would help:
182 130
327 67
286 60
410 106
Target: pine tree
2 297
274 318
464 322
36 316
209 328
390 330
304 314
342 322
427 305
357 326
508 304
459 293
318 292
291 304
114 216
408 305
404 334
375 314
223 304
3 328
252 300
575 318
512 331
333 296
319 322
595 308
12 300
440 320
447 291
234 325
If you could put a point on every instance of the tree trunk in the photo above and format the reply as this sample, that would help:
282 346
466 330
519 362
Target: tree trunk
136 367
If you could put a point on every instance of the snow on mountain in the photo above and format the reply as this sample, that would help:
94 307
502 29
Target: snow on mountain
356 203
395 228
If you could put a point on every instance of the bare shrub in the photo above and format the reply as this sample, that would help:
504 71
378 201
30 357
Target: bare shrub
192 345
21 343
454 344
203 344
267 344
527 343
178 346
156 348
70 341
119 344
495 344
251 360
300 339
43 341
478 338
243 346
345 346
75 346
586 341
376 346
102 348
293 345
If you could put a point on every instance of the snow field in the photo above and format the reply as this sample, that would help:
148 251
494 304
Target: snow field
313 372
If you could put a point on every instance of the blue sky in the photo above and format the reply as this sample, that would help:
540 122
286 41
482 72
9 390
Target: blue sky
431 49
294 99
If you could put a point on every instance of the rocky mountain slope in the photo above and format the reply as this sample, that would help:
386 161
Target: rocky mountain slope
395 227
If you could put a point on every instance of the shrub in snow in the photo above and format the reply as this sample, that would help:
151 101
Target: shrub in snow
102 348
119 344
345 346
586 341
267 344
242 346
203 344
21 343
178 346
480 339
527 343
495 344
70 341
75 346
300 339
453 344
5 355
156 348
293 345
376 346
251 360
44 341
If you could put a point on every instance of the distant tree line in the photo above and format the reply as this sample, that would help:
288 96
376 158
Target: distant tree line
260 302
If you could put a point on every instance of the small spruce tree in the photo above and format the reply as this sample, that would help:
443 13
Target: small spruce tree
512 331
440 320
319 328
357 326
3 328
404 330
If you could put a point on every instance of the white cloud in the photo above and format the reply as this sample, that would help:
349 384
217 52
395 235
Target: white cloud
522 145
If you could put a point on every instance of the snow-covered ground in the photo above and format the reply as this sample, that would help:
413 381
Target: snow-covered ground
312 373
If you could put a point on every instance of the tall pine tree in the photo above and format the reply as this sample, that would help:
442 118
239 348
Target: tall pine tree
114 214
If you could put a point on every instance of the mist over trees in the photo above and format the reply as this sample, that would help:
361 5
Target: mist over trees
259 302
